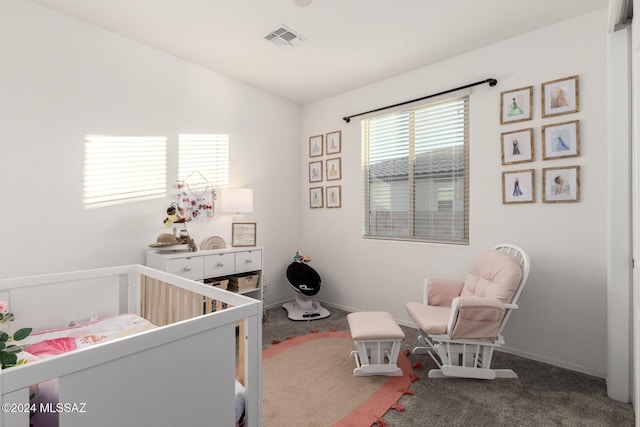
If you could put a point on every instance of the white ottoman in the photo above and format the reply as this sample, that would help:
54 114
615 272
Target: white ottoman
377 338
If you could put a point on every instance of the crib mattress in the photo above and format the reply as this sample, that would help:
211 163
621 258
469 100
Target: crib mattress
40 345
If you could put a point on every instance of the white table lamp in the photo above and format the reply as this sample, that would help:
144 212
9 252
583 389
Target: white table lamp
236 201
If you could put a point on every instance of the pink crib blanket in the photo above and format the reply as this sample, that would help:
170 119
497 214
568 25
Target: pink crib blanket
44 344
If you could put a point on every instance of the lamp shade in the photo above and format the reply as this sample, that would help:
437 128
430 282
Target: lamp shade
236 200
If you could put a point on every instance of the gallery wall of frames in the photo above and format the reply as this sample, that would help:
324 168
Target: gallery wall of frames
325 170
559 139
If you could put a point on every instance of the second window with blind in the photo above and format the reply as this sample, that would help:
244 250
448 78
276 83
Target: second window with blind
416 174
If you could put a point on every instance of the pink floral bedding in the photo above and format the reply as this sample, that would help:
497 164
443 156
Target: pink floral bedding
58 341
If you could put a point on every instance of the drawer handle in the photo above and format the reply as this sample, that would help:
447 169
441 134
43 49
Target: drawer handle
187 268
219 265
248 261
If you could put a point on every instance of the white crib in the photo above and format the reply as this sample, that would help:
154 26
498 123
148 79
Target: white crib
181 373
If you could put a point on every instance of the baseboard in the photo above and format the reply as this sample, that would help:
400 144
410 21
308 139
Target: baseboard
338 306
277 304
554 362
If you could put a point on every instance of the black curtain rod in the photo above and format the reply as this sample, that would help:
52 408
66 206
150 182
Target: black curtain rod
492 82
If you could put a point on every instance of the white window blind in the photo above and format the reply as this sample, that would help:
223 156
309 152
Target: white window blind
207 154
415 174
119 169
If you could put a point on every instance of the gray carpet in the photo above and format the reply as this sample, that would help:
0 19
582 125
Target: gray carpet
542 395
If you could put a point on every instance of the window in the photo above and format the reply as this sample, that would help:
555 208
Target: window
119 169
415 174
207 154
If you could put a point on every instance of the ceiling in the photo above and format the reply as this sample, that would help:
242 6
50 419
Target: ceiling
348 43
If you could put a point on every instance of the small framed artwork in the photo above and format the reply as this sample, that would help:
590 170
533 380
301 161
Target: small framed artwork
334 197
516 105
315 171
334 142
334 169
561 140
560 97
243 234
316 198
517 146
561 184
518 186
315 146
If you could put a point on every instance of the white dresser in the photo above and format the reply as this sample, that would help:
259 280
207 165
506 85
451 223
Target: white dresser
212 264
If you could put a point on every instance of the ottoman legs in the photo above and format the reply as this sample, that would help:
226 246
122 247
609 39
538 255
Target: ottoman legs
370 358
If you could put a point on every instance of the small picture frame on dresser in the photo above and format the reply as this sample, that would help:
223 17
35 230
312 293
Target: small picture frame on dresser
243 234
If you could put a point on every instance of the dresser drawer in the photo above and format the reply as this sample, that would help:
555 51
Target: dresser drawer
248 261
219 265
189 267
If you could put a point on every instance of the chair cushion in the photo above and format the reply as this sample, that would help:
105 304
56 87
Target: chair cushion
373 325
493 274
442 291
478 318
431 319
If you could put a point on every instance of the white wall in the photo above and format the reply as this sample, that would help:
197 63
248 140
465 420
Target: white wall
563 313
60 80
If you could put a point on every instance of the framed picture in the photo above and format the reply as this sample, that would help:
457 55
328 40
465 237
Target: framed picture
243 234
561 140
334 169
315 146
517 146
561 184
518 186
334 196
560 97
334 142
316 198
315 171
516 105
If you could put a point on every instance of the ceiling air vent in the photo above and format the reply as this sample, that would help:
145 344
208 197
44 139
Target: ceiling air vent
284 37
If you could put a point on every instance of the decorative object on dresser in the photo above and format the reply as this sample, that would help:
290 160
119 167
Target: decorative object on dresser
238 201
243 234
213 242
179 240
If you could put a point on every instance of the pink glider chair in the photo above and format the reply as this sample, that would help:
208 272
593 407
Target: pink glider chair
462 322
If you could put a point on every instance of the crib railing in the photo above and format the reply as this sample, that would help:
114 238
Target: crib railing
162 304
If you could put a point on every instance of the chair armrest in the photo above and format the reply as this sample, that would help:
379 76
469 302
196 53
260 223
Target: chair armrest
475 318
441 292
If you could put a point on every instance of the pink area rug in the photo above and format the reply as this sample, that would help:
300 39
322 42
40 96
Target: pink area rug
308 381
